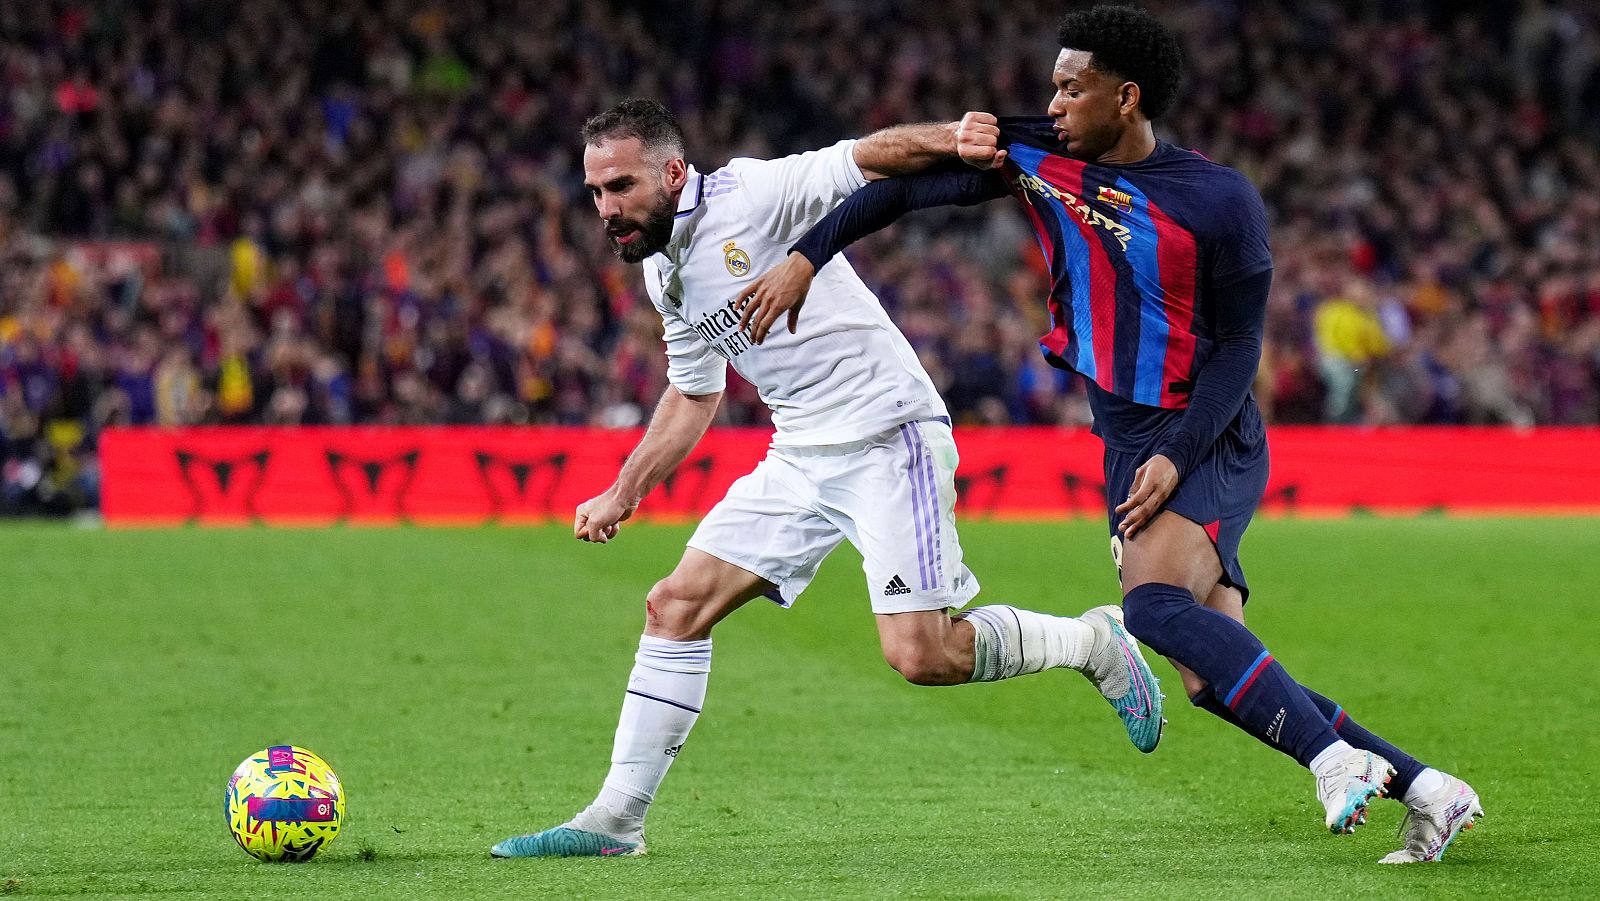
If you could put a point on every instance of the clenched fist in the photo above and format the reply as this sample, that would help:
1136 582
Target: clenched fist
978 141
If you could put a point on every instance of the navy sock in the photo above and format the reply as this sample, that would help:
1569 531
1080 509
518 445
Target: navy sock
1208 701
1406 767
1223 652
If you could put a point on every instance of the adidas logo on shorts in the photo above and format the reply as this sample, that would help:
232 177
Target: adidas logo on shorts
896 586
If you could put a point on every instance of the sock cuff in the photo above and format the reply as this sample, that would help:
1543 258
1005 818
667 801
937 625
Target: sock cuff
674 656
990 615
988 643
1321 760
1153 590
621 797
1206 699
1424 782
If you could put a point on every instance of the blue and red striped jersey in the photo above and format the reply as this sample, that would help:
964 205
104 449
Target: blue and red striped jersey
1138 255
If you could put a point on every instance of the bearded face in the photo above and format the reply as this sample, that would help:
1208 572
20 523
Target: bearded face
635 193
635 239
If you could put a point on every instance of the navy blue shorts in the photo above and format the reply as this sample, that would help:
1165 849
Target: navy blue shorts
1221 494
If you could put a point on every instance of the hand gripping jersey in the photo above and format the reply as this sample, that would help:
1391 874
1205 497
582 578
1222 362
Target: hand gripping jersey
848 374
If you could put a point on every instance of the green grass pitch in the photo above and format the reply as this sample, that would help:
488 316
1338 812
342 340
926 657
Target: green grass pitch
465 683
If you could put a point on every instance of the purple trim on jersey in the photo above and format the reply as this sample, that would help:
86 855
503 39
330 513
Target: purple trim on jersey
699 197
913 469
935 513
924 512
719 183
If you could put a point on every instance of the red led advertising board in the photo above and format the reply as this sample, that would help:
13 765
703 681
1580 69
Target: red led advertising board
467 475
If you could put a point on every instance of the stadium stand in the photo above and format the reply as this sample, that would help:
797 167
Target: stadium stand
349 212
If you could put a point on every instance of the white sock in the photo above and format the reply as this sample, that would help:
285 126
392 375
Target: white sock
1327 763
1427 782
1010 642
665 693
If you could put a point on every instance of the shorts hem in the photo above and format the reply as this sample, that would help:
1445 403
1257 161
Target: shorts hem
1228 579
786 592
956 600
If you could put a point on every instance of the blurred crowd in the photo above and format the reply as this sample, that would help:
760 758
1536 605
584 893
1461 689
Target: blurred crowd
369 211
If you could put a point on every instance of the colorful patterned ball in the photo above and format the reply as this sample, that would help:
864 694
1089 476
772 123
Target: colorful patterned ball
284 804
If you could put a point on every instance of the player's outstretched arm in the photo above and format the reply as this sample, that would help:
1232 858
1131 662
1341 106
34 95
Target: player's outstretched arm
908 149
782 290
679 422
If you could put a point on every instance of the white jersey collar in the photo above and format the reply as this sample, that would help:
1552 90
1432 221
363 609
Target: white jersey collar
689 200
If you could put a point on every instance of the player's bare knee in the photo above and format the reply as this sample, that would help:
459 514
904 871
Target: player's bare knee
672 611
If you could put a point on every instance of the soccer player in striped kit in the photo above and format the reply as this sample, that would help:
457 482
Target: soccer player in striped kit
1160 271
862 451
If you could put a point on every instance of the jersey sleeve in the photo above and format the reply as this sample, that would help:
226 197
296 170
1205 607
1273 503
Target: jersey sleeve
1034 131
1223 382
692 366
1239 244
789 195
885 200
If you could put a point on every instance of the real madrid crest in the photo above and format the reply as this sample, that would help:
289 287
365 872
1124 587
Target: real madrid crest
737 261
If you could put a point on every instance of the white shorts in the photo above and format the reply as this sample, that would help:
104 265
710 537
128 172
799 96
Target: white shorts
892 495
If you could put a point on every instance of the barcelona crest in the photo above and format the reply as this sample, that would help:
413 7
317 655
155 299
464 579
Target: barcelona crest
1122 200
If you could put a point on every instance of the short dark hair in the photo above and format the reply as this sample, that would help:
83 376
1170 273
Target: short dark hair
653 124
1130 43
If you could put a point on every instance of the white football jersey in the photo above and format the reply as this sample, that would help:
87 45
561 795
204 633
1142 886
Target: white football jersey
848 373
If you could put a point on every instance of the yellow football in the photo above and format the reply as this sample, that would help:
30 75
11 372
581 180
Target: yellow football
284 803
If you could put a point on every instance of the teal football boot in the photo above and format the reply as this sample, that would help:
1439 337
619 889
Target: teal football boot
1118 669
564 841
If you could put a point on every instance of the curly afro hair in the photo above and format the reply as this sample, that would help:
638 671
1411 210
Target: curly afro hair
1128 42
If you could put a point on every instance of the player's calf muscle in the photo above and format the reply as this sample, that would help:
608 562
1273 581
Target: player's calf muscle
1227 601
920 668
928 665
927 648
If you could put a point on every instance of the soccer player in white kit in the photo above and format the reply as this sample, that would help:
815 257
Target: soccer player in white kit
862 451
